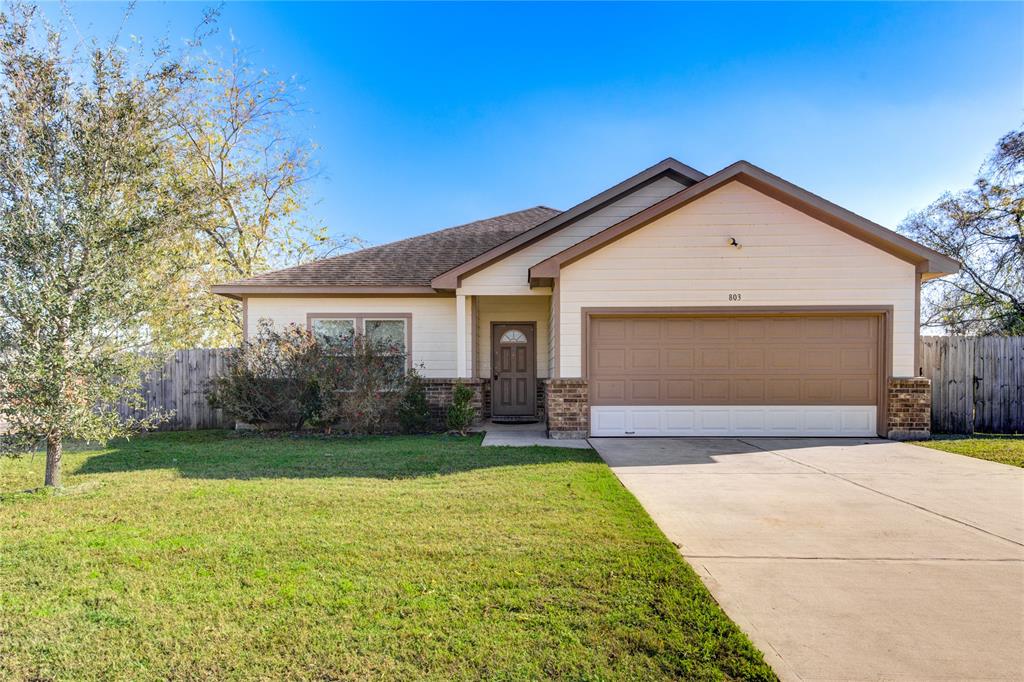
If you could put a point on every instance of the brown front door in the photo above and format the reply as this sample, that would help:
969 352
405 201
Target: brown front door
514 393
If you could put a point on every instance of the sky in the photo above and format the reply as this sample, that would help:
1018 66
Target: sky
432 115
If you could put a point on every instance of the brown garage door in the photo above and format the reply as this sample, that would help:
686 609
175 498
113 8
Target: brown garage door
741 360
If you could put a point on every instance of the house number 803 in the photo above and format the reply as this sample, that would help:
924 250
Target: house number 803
735 297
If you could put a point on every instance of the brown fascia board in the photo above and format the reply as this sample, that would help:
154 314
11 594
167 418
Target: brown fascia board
927 260
451 279
237 291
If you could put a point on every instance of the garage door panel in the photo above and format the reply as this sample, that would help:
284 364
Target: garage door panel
748 391
680 390
647 330
644 359
680 328
857 391
748 359
679 358
610 391
713 358
782 391
645 391
609 360
712 391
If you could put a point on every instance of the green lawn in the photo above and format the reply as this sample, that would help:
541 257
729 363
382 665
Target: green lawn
1003 449
213 556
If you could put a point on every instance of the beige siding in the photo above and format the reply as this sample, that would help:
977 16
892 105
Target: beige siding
512 309
787 259
510 275
433 321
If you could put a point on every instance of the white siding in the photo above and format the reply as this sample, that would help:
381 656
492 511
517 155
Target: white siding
510 275
512 309
787 259
433 321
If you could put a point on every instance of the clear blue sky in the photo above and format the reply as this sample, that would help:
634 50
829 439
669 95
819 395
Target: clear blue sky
431 115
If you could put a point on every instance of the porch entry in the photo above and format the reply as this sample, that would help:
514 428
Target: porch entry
514 387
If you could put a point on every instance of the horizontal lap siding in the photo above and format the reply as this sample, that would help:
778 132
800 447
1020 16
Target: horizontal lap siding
512 309
787 259
510 275
433 321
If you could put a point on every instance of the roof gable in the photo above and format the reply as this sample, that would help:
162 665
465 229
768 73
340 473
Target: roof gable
928 261
669 167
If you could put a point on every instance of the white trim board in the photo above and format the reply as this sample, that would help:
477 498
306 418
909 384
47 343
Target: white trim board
734 420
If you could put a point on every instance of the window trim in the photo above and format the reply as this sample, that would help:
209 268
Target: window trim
359 321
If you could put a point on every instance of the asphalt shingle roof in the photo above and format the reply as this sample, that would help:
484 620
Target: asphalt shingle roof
409 262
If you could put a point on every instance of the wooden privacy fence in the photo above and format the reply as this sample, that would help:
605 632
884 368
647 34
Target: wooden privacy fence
977 383
180 386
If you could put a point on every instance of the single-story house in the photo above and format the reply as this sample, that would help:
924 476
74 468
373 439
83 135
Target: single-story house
672 304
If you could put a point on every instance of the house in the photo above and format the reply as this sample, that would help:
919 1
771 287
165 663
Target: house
672 304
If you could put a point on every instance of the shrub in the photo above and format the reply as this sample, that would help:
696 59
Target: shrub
363 386
413 410
272 380
461 412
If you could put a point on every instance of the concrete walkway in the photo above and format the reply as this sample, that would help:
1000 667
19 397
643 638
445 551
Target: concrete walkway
846 559
524 435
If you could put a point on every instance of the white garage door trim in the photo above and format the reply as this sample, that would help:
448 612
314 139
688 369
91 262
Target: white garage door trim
734 420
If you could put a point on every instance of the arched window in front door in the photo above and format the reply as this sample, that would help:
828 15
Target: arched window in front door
513 336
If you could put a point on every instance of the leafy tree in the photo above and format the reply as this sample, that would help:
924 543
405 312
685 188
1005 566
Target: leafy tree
89 211
250 174
983 228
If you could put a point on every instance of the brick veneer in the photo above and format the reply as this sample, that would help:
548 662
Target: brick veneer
910 408
439 397
568 408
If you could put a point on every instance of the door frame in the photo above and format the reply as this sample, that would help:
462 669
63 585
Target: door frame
885 332
531 357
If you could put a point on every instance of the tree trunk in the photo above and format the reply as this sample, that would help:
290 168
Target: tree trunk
54 451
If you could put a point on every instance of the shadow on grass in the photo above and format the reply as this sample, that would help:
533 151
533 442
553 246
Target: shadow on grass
226 455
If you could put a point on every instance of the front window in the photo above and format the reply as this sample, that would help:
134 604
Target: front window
337 331
334 333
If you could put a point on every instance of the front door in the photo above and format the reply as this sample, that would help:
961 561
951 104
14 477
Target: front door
514 392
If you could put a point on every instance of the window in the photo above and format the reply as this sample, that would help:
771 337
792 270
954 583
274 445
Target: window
334 332
337 331
513 336
392 333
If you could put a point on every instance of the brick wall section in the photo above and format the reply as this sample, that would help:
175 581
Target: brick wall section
542 389
910 408
568 408
439 397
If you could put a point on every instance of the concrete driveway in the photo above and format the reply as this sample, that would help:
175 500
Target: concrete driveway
846 559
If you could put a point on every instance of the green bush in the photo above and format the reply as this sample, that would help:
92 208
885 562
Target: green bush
413 410
461 412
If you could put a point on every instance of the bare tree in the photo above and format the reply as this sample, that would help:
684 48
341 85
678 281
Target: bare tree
983 228
238 153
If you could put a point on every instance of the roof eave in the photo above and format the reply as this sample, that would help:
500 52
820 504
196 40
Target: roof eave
238 291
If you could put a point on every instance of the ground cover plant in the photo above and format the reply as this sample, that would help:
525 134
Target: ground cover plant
1003 449
208 555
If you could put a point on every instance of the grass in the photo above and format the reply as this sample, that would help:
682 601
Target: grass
1002 449
208 555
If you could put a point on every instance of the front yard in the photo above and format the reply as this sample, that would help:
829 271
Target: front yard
1002 449
213 556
